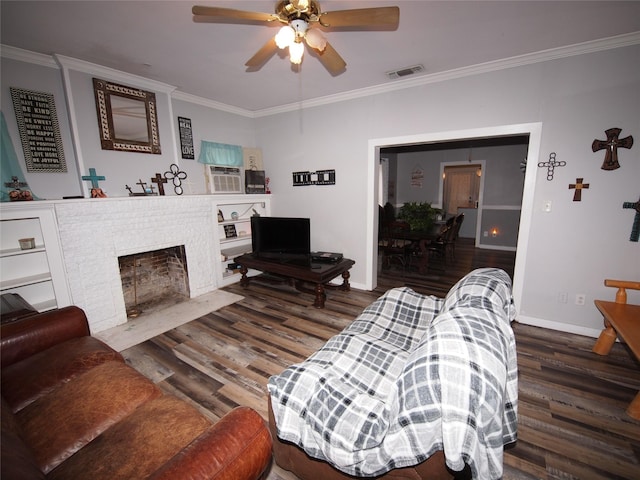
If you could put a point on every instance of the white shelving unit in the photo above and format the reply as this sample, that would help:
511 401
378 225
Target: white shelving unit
236 211
36 274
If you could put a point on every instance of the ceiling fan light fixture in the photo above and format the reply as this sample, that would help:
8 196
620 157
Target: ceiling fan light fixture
316 40
285 37
296 49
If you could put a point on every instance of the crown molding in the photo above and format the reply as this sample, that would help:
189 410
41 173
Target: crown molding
14 53
59 61
609 43
187 97
112 74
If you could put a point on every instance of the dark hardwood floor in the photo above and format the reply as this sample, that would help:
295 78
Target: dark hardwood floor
572 421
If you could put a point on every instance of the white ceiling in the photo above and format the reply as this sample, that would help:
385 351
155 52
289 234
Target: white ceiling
160 41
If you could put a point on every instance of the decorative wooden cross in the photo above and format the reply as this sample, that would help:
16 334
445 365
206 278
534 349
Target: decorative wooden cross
142 184
551 165
635 228
159 180
93 178
579 186
15 183
612 143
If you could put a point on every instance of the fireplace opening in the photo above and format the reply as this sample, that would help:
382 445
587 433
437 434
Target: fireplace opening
154 280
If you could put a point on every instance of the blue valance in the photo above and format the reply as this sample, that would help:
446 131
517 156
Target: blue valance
220 154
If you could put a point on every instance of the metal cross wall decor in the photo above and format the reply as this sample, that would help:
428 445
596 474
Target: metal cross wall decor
176 176
579 186
612 143
551 165
15 183
635 228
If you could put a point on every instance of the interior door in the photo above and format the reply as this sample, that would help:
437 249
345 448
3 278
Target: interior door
461 187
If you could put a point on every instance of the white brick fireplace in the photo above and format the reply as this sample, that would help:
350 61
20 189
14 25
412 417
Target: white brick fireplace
95 232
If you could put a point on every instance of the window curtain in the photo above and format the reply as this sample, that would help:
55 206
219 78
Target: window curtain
9 165
212 153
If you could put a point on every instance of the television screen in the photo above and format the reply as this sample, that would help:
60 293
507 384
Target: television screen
280 236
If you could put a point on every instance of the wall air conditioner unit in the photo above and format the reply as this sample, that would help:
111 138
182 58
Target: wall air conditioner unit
223 179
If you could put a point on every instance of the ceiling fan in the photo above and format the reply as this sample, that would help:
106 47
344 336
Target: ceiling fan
301 19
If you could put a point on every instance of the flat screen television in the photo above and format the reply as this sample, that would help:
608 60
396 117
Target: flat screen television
280 237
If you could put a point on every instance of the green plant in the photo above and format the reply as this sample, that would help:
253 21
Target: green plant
420 216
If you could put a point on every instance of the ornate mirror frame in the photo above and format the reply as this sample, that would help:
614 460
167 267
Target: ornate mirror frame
127 118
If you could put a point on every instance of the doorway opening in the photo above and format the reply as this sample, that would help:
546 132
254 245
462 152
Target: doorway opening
376 146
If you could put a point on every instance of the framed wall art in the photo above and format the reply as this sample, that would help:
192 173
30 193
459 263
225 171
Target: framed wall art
39 131
127 118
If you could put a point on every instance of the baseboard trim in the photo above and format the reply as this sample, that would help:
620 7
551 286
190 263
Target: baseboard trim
562 327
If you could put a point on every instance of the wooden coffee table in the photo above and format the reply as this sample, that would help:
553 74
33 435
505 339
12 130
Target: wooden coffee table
319 274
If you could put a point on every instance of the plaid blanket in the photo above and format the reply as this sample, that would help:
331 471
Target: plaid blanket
413 374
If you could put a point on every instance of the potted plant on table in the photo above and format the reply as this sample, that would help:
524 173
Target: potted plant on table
420 216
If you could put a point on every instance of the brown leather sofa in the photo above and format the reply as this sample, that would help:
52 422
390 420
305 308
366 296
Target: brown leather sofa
72 408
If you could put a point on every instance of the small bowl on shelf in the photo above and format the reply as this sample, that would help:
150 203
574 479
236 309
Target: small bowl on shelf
27 243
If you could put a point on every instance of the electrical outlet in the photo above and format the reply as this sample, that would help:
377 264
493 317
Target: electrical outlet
547 206
485 233
580 298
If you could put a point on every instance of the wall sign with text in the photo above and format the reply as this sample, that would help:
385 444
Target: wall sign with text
186 138
39 130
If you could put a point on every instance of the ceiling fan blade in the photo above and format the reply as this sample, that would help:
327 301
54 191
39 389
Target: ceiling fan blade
262 55
214 14
331 60
362 17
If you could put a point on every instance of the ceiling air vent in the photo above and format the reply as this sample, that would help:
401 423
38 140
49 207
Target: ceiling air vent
403 72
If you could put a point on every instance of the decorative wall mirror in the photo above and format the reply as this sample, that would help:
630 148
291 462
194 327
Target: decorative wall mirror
127 118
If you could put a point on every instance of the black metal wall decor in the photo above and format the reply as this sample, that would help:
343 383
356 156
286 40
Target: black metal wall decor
321 177
176 176
39 130
611 144
551 165
635 228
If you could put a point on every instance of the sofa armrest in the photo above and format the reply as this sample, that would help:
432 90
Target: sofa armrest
238 447
33 334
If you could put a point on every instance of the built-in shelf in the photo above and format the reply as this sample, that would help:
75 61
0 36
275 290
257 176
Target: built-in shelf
24 281
228 248
10 252
36 274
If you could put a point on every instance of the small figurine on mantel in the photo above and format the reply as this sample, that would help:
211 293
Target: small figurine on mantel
18 195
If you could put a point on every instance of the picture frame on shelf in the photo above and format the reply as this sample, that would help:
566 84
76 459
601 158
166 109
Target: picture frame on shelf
230 231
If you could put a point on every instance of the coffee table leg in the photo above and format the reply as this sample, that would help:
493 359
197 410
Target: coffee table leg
244 281
345 281
320 296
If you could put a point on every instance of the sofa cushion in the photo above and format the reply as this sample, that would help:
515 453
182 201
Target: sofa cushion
238 446
27 380
139 444
59 424
30 335
18 460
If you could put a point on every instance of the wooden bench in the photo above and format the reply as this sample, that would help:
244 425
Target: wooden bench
620 320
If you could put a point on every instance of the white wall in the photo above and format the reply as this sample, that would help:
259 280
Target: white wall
571 249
